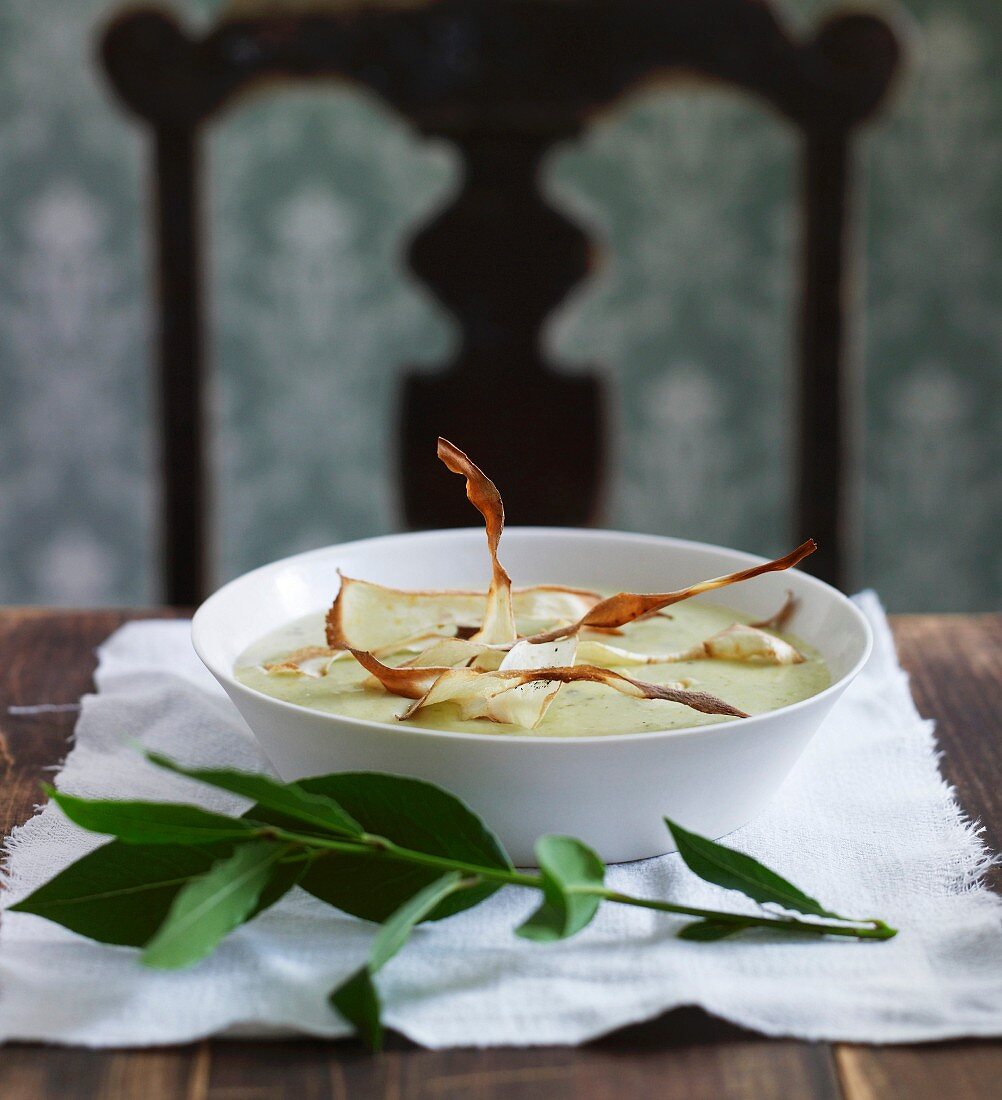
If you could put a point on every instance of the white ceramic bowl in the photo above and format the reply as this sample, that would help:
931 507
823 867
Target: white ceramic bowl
612 792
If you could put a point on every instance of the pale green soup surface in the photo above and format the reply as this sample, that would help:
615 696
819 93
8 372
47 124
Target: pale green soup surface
579 709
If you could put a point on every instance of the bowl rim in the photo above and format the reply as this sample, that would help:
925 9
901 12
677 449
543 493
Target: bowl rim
228 681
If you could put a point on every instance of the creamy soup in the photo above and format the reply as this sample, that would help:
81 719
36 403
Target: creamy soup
579 709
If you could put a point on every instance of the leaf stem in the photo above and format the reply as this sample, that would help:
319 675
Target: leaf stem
380 847
369 846
867 930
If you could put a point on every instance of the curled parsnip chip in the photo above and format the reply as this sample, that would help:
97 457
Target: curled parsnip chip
525 704
782 616
408 681
316 660
499 618
553 603
475 689
458 652
311 660
371 616
742 642
625 607
739 642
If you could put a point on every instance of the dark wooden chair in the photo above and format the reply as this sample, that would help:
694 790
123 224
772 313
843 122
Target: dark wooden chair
503 80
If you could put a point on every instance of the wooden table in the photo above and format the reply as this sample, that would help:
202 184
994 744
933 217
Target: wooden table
956 667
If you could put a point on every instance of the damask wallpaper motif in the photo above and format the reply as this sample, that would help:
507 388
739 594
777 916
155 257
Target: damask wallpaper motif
313 319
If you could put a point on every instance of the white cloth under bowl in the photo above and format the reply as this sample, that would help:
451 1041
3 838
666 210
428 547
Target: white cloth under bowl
865 823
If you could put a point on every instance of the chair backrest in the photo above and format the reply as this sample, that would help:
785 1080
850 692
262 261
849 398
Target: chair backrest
504 80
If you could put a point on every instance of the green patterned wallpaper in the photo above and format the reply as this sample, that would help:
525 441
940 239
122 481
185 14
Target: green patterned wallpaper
313 319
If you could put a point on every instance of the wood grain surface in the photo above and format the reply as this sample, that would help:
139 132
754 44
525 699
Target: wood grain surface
956 668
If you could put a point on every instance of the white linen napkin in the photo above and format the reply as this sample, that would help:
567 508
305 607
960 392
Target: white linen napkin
865 823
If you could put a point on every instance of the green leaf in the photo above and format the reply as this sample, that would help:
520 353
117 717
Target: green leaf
290 799
283 877
211 906
397 928
411 813
707 930
120 893
357 998
566 865
736 871
151 822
